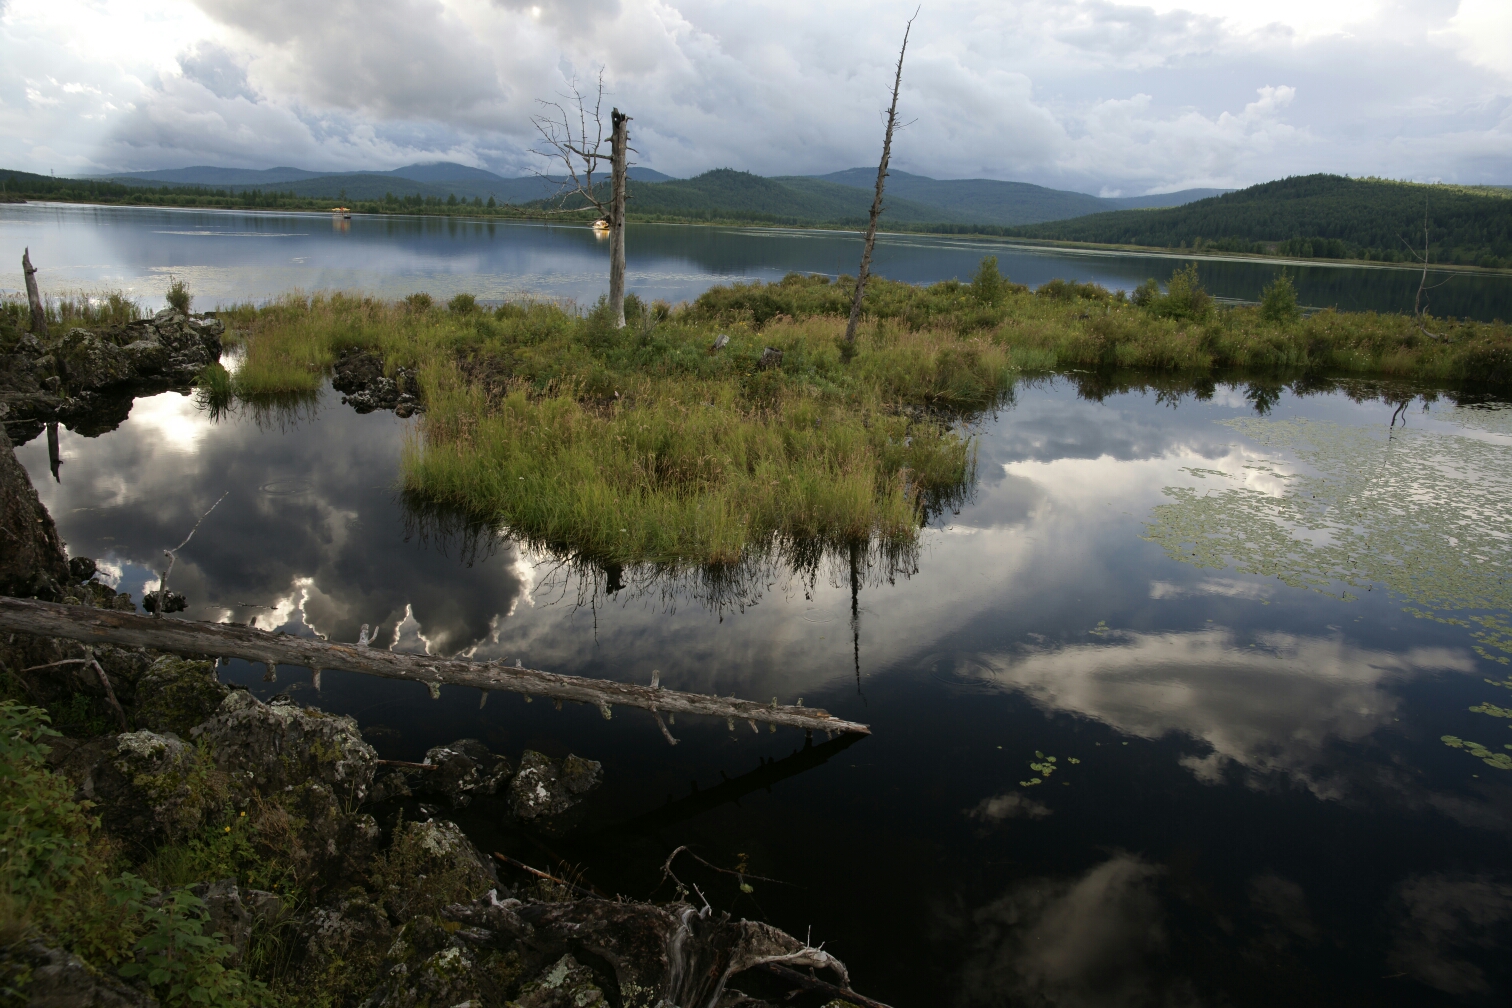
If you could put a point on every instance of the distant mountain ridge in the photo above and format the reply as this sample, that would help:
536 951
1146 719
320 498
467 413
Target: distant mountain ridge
720 194
440 179
990 201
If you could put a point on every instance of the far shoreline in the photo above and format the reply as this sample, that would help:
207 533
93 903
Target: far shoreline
579 219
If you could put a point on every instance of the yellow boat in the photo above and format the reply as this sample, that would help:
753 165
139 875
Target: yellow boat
343 211
601 225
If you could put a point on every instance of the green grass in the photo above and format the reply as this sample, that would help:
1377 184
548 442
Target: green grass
643 445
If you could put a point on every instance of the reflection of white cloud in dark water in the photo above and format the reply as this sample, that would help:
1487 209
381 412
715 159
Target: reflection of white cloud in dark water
1080 943
1271 708
1440 921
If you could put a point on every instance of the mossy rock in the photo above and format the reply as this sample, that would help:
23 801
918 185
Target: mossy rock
176 694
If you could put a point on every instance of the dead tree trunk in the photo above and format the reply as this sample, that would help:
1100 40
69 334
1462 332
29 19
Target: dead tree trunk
34 296
105 626
566 132
1417 302
619 144
876 207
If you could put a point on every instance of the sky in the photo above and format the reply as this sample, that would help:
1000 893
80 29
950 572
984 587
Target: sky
1092 95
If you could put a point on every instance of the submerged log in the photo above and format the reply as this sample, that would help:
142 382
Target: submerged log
101 626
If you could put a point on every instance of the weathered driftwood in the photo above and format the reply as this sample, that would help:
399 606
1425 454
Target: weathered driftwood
103 626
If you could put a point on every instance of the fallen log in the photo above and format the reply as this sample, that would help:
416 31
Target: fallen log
105 626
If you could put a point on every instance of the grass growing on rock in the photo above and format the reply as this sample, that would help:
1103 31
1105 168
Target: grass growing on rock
645 444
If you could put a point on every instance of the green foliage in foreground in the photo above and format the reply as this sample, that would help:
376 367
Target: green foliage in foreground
645 444
1317 216
60 880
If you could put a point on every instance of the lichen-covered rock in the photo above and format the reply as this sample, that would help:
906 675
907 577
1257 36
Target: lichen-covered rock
150 788
228 916
547 794
312 765
91 362
434 962
443 847
52 978
353 929
177 694
467 769
566 984
148 357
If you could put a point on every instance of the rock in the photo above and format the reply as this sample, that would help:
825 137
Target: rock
566 984
59 979
467 768
355 370
148 788
770 357
148 357
170 600
334 936
32 561
228 915
176 694
443 847
81 568
546 794
312 765
359 374
90 362
433 963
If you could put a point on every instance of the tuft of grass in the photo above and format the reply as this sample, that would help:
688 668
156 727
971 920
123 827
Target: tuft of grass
178 296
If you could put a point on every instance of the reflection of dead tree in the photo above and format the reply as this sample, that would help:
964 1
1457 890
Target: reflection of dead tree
172 555
876 207
566 131
104 626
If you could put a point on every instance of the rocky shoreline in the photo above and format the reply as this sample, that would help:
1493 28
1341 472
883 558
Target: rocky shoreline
310 871
88 377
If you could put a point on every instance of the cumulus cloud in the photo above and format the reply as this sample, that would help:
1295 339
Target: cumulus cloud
1089 94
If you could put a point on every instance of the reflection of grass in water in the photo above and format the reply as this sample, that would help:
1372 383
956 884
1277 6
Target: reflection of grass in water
1422 513
586 581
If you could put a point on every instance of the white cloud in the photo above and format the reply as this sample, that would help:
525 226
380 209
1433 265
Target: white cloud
1086 94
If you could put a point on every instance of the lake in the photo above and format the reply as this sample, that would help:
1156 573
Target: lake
1194 700
228 257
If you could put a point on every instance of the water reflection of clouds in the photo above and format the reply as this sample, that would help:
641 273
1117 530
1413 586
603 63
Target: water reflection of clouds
322 561
1275 707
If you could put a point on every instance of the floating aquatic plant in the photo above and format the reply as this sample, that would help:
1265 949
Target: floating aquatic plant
1419 513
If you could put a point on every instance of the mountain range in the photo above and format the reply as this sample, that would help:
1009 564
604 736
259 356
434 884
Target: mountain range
719 194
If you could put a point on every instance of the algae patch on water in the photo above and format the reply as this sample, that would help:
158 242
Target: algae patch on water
1420 513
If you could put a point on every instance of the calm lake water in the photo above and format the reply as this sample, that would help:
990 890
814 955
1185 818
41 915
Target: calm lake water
1242 624
1250 800
233 256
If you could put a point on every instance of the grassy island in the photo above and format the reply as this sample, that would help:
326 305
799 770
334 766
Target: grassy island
647 444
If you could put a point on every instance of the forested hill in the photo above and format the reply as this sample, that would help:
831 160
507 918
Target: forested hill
726 194
1317 216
